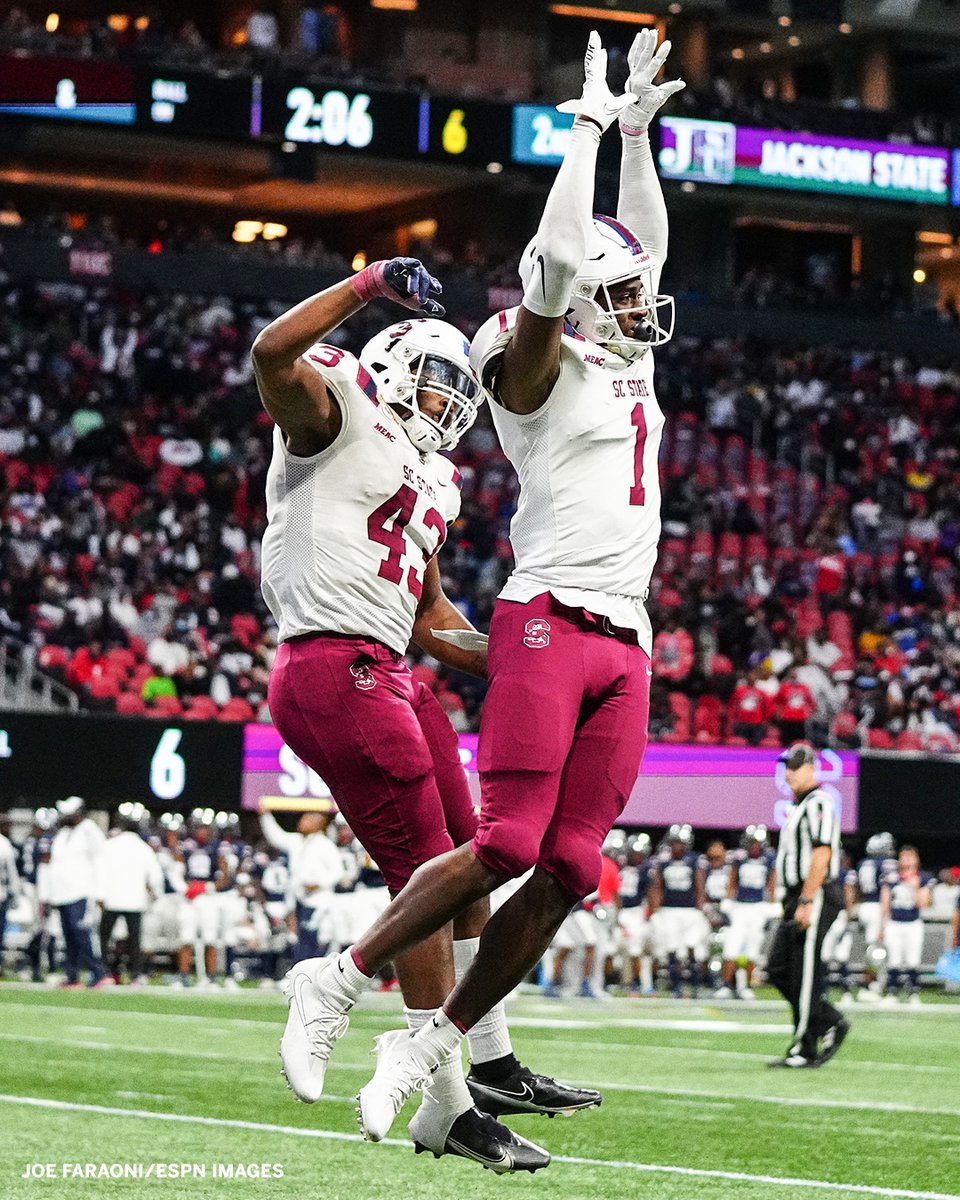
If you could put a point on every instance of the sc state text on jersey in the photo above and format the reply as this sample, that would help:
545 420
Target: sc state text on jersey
630 387
421 484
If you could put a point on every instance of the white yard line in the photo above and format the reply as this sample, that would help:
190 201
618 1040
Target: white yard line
785 1101
860 1189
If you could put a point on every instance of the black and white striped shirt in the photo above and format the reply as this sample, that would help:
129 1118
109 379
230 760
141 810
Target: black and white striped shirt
812 822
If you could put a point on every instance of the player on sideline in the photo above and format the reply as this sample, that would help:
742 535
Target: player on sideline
565 719
358 504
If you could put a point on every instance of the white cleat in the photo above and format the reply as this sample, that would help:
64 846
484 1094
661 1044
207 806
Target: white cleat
317 1018
723 993
914 1000
747 994
403 1067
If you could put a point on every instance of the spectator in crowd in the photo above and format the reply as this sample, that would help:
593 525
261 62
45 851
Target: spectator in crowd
793 707
74 853
749 709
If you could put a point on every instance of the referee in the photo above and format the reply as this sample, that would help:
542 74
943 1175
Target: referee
808 865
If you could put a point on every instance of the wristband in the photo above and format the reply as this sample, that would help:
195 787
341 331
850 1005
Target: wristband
632 130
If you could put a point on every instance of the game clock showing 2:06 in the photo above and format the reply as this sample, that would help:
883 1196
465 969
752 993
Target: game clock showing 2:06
306 111
107 760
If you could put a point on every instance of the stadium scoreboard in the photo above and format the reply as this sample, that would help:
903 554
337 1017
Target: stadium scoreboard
196 103
300 108
175 764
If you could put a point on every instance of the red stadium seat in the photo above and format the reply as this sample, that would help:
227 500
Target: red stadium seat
879 739
104 686
130 704
121 660
165 706
201 708
236 709
908 740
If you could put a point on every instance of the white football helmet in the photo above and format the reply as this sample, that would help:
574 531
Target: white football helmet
881 845
613 256
680 833
424 354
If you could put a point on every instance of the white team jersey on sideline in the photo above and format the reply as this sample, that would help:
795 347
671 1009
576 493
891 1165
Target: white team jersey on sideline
351 529
588 522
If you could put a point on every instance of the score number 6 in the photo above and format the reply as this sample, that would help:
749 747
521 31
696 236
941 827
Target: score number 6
168 769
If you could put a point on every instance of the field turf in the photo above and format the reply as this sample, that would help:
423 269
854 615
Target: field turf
158 1077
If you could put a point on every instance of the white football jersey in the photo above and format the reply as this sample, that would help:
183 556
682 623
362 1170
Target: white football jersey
351 529
588 521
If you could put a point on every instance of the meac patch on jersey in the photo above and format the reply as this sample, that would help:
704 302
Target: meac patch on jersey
351 529
589 511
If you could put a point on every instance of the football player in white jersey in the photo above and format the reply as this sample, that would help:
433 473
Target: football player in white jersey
565 719
358 503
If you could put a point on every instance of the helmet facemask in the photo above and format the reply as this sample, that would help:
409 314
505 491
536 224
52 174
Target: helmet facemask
460 391
599 305
422 371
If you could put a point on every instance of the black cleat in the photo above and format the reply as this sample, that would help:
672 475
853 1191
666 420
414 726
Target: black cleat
477 1136
524 1092
832 1040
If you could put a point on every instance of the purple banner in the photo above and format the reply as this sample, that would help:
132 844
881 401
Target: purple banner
721 152
714 787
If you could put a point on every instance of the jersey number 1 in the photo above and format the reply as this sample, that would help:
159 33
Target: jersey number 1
385 526
637 494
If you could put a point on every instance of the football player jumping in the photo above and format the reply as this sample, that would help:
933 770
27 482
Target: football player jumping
358 504
565 719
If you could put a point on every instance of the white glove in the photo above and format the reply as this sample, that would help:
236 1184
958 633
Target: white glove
463 639
597 101
645 62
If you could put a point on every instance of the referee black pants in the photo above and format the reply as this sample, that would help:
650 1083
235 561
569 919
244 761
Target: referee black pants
796 969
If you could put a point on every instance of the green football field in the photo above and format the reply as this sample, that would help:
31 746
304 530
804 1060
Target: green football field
156 1078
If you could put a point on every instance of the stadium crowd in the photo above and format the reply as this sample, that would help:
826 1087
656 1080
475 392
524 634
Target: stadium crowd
808 568
190 900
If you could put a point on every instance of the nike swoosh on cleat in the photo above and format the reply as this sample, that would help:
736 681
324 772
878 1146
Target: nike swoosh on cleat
466 1152
297 989
526 1094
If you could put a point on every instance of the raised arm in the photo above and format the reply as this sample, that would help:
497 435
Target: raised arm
531 361
640 205
291 391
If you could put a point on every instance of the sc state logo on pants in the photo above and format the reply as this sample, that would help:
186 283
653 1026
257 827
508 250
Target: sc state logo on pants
537 634
364 680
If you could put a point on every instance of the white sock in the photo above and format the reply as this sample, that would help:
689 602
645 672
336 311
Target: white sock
447 1086
349 981
490 1038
